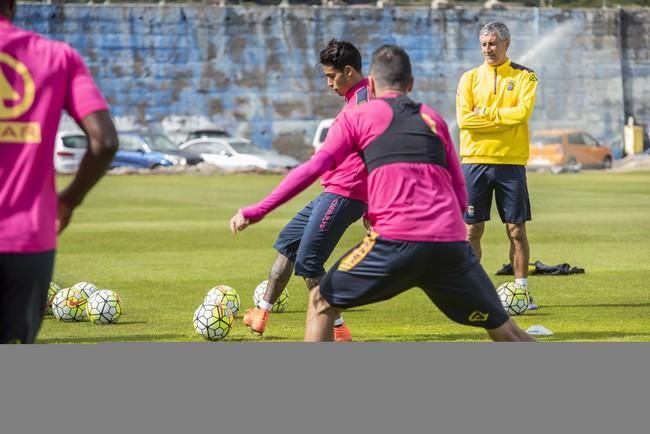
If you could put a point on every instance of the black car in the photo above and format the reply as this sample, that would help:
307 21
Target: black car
157 142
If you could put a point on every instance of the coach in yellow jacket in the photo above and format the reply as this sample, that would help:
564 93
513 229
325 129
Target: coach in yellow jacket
493 105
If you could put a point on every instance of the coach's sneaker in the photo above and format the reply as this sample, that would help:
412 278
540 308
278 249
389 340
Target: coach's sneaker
342 333
531 303
256 319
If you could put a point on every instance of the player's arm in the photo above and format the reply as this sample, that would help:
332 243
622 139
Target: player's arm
337 146
294 183
102 145
465 109
521 113
85 103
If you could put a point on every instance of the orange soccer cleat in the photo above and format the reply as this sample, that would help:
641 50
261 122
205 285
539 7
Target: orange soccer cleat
342 333
256 319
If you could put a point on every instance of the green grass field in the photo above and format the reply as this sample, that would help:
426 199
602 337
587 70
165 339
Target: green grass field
162 241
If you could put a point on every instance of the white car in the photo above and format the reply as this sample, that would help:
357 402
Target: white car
237 153
321 133
69 148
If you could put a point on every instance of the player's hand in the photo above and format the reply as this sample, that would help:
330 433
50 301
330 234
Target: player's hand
238 223
63 216
479 111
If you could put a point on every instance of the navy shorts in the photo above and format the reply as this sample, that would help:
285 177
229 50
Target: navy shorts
311 236
24 280
508 182
378 269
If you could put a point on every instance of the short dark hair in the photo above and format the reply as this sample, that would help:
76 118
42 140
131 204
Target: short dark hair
391 67
4 5
339 54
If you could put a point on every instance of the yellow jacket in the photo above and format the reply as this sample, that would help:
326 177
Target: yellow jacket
505 96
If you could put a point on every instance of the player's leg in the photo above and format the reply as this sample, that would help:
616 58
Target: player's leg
454 280
509 332
319 322
281 271
340 330
331 216
519 249
287 245
479 181
513 203
24 280
474 235
374 270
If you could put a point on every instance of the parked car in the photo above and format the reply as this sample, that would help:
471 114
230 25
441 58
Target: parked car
150 141
135 152
69 148
207 132
321 133
237 153
567 150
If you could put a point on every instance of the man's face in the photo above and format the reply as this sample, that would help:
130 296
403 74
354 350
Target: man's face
339 81
493 49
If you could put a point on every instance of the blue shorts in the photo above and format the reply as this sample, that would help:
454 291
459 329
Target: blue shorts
24 280
508 182
311 236
378 269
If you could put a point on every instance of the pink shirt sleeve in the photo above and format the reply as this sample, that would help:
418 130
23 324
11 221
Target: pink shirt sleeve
338 145
82 96
453 162
296 181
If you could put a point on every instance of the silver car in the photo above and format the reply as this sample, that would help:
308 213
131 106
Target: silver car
236 153
69 148
321 133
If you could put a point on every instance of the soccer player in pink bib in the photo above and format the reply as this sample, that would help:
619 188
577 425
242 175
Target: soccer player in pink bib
416 200
307 241
38 79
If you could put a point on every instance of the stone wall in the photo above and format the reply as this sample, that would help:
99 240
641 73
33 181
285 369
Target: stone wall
251 70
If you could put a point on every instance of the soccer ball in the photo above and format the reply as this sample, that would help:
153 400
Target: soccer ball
213 321
104 307
224 294
69 305
51 292
86 287
280 304
514 298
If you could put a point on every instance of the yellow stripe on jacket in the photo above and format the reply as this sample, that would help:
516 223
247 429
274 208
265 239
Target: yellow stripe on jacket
505 96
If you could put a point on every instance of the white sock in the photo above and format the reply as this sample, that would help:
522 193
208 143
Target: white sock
339 321
522 281
263 304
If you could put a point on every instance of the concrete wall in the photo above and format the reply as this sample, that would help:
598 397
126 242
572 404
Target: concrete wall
635 61
251 69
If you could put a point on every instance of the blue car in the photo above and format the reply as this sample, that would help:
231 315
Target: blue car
133 152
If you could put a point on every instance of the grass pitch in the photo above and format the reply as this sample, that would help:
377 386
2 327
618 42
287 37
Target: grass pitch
162 241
